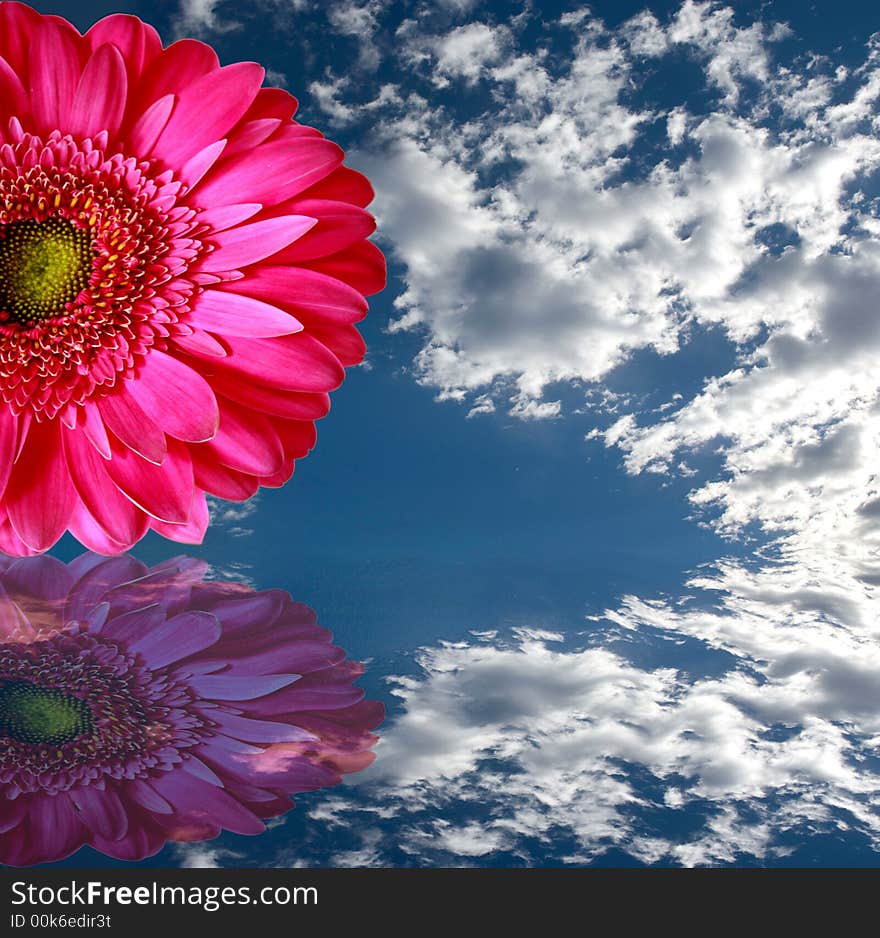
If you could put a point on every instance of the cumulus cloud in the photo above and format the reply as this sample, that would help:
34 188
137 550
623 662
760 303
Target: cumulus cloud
549 235
504 747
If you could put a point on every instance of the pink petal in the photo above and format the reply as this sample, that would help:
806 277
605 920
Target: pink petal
279 403
193 532
225 216
251 134
294 362
271 173
8 444
221 480
12 91
54 75
92 536
314 296
339 226
149 125
282 477
344 341
130 424
201 343
40 497
176 397
237 314
92 426
100 97
176 69
297 436
165 491
362 266
138 42
117 517
17 26
344 185
246 441
201 162
206 110
247 244
11 543
272 102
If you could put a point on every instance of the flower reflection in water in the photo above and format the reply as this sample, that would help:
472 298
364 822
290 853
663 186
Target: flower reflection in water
143 705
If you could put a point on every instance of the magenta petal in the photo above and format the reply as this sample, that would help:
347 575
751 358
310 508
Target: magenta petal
306 292
129 626
92 426
258 731
40 496
247 244
237 314
93 537
101 811
118 517
176 397
296 362
45 577
130 424
137 42
184 635
246 441
150 124
206 110
11 89
165 491
100 98
193 531
231 687
8 445
191 797
270 173
54 75
147 797
53 831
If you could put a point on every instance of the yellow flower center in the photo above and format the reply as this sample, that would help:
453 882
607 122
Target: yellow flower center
43 266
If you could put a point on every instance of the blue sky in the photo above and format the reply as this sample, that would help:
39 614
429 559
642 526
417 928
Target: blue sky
601 507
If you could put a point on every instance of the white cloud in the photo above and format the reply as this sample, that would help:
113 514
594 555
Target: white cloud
465 52
203 856
230 515
545 239
514 746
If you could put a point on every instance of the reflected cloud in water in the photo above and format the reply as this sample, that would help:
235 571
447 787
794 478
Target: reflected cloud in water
143 705
736 725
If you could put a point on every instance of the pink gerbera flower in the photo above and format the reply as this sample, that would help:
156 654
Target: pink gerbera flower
139 706
181 266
